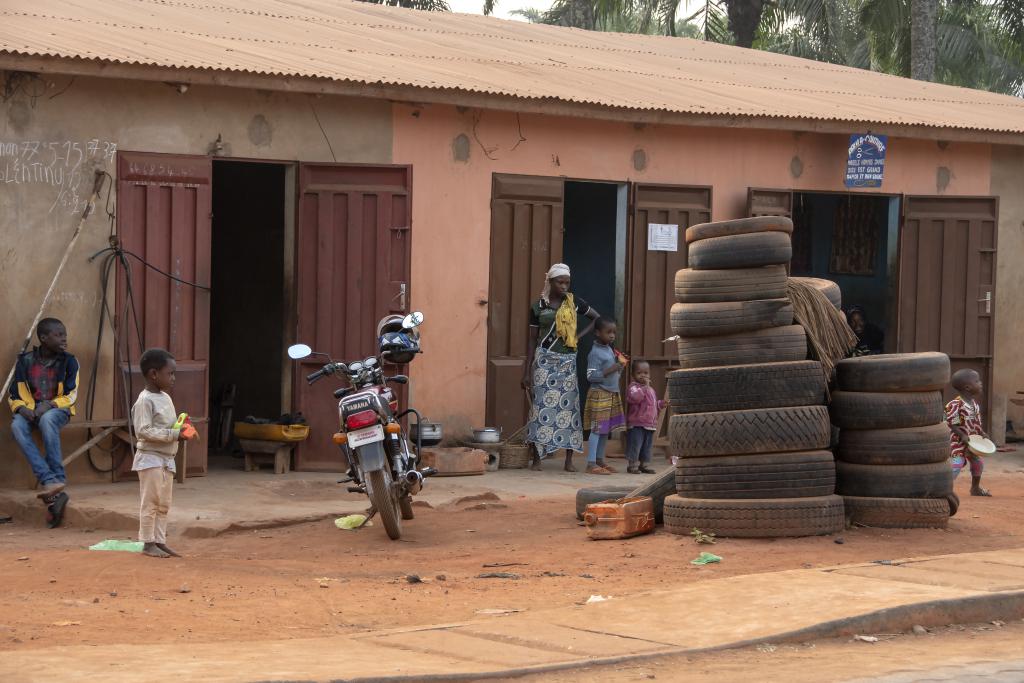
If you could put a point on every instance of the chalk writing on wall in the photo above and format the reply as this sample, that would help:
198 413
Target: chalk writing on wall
66 166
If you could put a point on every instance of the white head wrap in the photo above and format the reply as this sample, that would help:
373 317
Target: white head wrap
556 270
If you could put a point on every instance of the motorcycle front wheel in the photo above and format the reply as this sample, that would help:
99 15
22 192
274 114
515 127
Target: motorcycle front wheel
382 496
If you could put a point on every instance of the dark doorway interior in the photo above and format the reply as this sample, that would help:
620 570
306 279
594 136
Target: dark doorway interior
247 317
589 249
851 240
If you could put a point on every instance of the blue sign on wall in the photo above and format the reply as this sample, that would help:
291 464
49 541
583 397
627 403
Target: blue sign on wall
865 161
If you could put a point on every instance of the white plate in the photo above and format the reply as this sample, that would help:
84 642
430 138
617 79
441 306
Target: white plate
365 436
980 445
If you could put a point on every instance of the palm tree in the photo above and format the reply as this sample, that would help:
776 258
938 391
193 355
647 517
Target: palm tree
924 29
973 46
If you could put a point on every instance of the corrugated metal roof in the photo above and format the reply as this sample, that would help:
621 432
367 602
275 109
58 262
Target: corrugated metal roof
368 44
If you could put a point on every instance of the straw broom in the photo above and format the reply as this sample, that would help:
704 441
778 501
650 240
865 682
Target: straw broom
828 335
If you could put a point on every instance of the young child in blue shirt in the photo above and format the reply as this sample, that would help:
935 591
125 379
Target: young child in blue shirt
602 414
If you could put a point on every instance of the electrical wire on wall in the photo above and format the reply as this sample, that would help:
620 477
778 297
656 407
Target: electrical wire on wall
113 256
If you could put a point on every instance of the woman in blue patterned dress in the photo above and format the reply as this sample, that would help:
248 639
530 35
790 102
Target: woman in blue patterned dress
550 372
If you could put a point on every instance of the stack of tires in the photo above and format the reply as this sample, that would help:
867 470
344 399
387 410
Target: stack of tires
750 426
893 450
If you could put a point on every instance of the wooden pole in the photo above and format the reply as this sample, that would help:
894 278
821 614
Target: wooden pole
96 187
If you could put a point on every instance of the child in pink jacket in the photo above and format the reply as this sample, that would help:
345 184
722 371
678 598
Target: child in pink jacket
642 406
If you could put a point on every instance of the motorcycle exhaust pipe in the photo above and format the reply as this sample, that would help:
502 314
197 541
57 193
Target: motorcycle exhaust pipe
414 480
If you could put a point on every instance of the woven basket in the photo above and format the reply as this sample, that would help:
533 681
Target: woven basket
514 457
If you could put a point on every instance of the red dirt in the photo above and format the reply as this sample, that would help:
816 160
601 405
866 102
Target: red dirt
267 584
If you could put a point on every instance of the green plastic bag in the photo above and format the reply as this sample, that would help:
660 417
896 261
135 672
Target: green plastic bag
123 546
351 522
706 558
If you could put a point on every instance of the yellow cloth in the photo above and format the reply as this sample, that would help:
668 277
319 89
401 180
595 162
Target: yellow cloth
565 321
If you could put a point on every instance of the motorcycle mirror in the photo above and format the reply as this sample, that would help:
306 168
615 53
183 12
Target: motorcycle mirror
298 351
413 320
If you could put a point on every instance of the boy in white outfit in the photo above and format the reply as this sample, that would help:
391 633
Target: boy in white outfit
158 434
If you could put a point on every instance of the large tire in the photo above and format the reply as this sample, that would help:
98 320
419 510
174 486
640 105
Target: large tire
894 372
954 503
780 475
739 226
658 488
741 432
741 251
894 481
777 517
771 345
742 387
382 496
867 410
897 513
908 446
729 317
598 494
741 284
827 287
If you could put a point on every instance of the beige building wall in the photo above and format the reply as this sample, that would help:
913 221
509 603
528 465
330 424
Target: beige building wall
55 131
1008 370
455 152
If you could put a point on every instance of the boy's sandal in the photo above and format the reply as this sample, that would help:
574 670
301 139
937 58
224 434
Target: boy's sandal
597 469
647 470
982 492
611 470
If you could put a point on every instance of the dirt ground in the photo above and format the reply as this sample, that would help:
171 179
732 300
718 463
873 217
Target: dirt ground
943 654
316 580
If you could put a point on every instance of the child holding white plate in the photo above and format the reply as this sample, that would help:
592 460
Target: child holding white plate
963 415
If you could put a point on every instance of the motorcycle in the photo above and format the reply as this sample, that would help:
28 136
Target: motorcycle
381 463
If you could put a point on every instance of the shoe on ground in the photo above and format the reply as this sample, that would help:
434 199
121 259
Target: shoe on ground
608 467
644 469
51 489
597 469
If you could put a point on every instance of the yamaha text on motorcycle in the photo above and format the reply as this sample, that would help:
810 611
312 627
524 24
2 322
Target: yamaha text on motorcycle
381 463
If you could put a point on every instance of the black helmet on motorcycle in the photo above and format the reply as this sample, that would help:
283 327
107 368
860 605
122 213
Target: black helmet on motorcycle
397 345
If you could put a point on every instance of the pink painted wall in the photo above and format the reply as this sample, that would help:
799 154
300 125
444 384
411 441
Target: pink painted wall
451 205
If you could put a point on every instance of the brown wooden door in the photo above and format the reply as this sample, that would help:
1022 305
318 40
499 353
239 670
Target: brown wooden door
947 280
651 274
163 217
526 238
353 268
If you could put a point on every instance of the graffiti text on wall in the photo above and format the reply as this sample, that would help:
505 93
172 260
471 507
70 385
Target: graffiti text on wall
67 166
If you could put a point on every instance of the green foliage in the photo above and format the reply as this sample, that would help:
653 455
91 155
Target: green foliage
428 5
980 42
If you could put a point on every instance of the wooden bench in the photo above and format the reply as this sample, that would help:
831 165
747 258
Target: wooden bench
119 429
257 450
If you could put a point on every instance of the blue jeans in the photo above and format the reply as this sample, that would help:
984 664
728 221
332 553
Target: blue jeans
595 447
49 469
639 442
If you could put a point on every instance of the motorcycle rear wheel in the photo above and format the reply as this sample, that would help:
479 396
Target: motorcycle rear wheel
382 496
405 505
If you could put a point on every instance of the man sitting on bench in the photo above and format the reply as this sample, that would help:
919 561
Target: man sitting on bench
43 397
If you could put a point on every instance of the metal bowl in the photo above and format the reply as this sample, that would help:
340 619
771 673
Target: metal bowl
430 433
487 435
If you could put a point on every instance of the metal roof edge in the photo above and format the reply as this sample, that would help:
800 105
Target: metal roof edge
413 96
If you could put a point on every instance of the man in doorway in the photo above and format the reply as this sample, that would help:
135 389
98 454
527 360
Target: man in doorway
43 397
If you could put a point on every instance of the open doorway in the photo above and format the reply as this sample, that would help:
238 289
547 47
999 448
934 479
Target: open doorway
853 241
248 315
594 248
